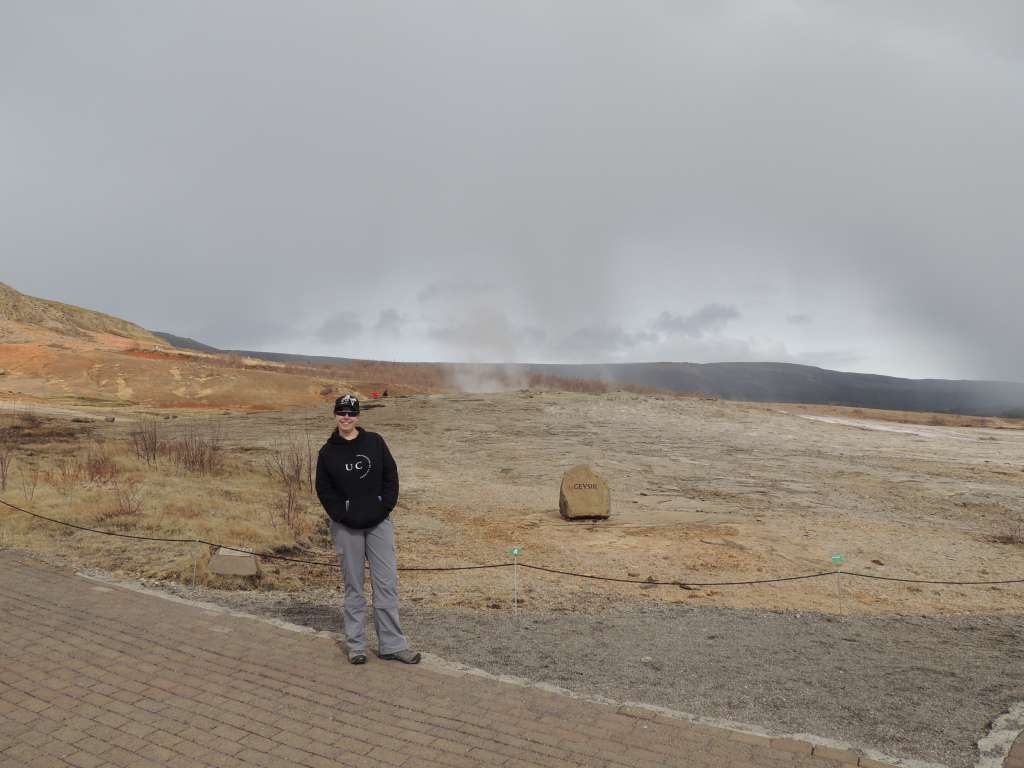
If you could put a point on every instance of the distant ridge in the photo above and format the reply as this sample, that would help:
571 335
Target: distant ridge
792 383
753 382
183 342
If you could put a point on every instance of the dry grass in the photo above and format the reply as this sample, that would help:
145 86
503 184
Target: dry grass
194 488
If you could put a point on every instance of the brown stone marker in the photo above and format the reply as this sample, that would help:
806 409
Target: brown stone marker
584 495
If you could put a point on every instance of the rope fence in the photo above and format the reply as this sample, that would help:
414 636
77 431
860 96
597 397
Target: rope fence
675 583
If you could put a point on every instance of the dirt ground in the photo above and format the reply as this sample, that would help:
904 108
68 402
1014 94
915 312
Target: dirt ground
702 491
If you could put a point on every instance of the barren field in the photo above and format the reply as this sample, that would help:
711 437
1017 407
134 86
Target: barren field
702 491
709 491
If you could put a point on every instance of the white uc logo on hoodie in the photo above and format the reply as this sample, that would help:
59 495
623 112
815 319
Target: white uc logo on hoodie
362 464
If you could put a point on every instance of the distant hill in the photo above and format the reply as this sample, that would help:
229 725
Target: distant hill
66 319
755 382
790 383
183 342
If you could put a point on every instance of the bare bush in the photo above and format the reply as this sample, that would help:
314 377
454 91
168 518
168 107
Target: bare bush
288 464
290 468
128 497
146 441
196 452
65 475
1012 533
29 482
310 461
98 466
28 418
6 455
290 507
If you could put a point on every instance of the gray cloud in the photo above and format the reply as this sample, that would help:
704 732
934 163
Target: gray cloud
448 291
798 319
229 171
708 319
389 322
598 343
340 325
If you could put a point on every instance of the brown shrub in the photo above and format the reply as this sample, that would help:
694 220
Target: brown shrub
291 469
6 455
196 452
127 507
98 466
289 509
146 441
29 482
1012 533
66 475
287 465
129 498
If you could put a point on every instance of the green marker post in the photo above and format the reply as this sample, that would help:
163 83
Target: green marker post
515 552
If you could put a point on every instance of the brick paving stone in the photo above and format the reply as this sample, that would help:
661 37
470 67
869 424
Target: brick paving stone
83 760
120 678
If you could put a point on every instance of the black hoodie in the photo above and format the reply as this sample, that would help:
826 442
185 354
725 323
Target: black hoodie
357 480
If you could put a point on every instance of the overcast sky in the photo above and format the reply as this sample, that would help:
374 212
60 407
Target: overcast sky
837 184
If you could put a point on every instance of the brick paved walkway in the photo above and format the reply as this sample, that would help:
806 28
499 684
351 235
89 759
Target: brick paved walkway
93 675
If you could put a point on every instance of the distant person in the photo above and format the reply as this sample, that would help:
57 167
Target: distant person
384 393
357 482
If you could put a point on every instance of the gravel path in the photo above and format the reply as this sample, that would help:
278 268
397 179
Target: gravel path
921 688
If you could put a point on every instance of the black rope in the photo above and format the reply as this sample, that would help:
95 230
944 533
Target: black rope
676 583
95 530
268 556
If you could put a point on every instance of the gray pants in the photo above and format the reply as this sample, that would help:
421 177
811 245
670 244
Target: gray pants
377 546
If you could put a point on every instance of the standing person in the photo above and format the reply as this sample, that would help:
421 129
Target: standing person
357 482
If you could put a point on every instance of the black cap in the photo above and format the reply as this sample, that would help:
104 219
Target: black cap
347 404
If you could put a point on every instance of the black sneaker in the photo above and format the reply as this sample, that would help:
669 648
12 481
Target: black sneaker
357 657
406 656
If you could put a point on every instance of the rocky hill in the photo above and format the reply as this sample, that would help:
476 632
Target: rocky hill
62 354
66 319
